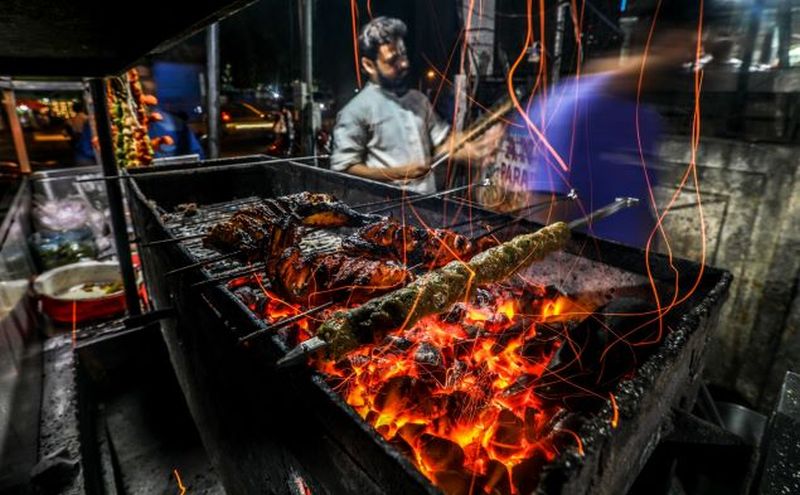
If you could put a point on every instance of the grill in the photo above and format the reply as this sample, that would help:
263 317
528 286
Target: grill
290 431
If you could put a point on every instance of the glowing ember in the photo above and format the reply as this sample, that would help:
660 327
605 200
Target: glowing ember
456 392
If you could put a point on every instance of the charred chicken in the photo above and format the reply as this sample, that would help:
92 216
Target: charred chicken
313 278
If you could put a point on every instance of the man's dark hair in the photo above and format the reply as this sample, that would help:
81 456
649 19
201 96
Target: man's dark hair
379 31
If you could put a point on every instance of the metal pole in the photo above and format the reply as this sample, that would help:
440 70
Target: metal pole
739 101
114 191
558 42
784 32
10 104
308 76
212 94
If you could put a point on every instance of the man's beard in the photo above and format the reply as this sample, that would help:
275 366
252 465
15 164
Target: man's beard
398 86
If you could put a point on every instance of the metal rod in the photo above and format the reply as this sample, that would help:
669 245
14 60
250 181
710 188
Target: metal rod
492 117
212 94
17 136
114 191
229 276
200 263
299 353
603 212
213 168
558 43
286 321
400 201
172 240
416 199
571 196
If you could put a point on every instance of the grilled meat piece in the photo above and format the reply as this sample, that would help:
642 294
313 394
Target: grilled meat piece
338 276
438 290
410 244
246 230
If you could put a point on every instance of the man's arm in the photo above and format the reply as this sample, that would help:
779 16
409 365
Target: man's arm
402 172
477 149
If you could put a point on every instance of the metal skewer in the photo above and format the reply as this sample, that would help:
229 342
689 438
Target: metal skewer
485 182
605 211
298 354
200 263
494 115
571 197
230 276
285 322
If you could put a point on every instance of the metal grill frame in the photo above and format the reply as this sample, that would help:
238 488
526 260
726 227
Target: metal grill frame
349 455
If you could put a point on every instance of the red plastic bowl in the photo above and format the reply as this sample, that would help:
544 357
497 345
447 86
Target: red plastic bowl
65 308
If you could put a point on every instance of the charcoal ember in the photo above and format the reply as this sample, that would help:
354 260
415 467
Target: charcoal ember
551 331
497 479
410 432
508 434
496 323
595 359
473 331
463 347
453 482
503 337
348 363
455 373
536 350
521 384
455 315
400 393
440 454
251 298
526 474
395 344
403 447
539 423
429 361
484 298
460 405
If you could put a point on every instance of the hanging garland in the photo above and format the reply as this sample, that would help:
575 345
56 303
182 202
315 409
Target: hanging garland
130 116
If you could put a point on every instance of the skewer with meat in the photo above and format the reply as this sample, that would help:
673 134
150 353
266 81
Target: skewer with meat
408 243
437 290
266 229
338 276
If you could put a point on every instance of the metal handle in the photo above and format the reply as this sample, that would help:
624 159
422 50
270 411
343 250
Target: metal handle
606 211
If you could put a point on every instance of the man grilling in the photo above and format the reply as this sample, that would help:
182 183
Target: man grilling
389 132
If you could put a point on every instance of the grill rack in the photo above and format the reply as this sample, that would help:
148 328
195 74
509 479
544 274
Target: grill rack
374 466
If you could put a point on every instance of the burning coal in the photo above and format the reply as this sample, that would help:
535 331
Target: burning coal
482 397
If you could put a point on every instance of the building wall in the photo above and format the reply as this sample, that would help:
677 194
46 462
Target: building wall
751 201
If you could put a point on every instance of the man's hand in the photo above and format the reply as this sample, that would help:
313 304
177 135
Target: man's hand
409 172
482 147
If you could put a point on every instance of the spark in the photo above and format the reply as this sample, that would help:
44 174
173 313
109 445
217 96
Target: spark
74 323
354 24
179 481
615 415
